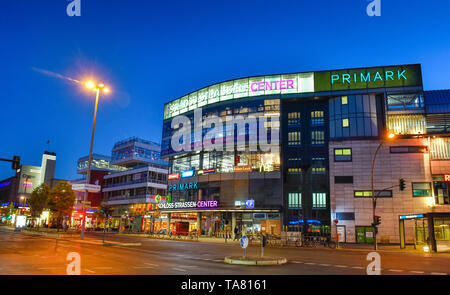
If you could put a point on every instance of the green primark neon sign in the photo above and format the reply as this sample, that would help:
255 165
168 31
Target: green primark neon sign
368 77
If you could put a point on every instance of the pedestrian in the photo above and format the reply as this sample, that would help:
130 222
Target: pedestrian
236 233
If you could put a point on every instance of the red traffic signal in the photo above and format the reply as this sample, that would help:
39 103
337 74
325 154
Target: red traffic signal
377 220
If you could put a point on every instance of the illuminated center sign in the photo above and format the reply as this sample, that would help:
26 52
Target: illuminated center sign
362 78
187 205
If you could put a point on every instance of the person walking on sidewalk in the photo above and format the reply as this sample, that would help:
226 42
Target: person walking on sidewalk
236 233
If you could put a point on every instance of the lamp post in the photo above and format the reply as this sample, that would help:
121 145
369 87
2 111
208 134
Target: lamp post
374 200
91 85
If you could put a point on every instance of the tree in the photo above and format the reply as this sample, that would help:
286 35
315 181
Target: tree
38 200
61 201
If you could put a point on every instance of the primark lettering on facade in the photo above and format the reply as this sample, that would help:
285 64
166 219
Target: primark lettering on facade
183 186
367 77
186 205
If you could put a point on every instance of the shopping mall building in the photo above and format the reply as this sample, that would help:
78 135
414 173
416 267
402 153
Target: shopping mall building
323 128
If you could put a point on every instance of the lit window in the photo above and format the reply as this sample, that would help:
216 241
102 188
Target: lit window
317 118
368 194
343 155
317 138
294 118
293 165
318 166
345 122
294 138
421 189
344 100
294 200
319 200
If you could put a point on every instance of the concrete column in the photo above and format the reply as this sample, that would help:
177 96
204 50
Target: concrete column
168 222
199 221
233 224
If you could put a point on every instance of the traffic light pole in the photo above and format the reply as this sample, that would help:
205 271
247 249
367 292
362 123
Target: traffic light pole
374 200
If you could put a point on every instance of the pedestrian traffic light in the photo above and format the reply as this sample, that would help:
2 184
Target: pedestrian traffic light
16 163
377 220
402 184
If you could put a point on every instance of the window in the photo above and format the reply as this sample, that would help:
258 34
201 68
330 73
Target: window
293 165
319 200
421 189
294 118
294 138
343 155
345 215
408 149
368 194
407 124
318 166
317 138
317 118
295 200
345 122
344 100
343 179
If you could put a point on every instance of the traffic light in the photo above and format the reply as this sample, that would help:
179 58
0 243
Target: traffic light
16 163
377 220
402 184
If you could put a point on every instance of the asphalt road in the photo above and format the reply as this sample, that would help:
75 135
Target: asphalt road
22 254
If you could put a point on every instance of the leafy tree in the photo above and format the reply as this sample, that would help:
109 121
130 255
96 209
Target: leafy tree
61 201
38 200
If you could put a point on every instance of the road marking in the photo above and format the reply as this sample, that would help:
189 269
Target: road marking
179 269
324 264
341 266
358 267
218 260
416 271
88 270
102 267
297 262
310 263
49 267
144 267
395 270
151 264
439 273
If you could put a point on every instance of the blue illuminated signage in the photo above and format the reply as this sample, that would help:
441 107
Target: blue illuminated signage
183 186
250 204
300 221
411 216
5 183
187 173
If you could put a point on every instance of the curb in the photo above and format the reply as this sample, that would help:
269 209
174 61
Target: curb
240 261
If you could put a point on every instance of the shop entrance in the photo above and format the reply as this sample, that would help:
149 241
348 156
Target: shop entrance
364 234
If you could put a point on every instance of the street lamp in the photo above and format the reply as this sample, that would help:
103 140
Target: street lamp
97 88
390 136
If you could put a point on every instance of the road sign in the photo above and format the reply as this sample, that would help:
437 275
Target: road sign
244 242
250 204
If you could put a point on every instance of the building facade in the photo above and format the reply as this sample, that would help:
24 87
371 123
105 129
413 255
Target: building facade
130 180
324 128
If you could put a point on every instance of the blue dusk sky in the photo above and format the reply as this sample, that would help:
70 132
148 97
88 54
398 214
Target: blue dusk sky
151 52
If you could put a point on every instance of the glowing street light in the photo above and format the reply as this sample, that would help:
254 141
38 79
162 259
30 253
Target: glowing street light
389 136
91 85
